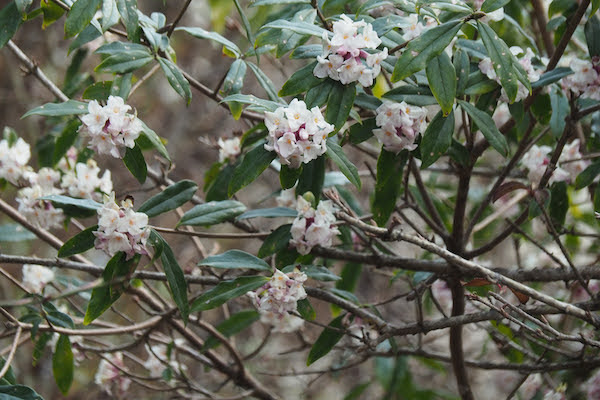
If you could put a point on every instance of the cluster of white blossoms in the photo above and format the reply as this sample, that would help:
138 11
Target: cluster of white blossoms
286 198
36 277
121 228
14 159
487 68
83 181
569 164
159 359
109 376
110 128
41 212
313 227
585 80
399 124
229 149
276 299
296 134
343 57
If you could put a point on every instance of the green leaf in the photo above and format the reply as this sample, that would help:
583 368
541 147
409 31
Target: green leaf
339 104
176 79
387 186
69 107
289 40
559 204
217 189
425 47
307 51
87 35
253 164
10 20
129 16
135 163
155 140
326 340
357 391
63 366
306 310
115 48
337 155
312 178
211 213
235 259
256 103
116 270
14 392
486 125
274 212
65 140
79 243
302 28
264 81
278 240
78 208
552 76
415 95
226 291
300 81
289 176
493 5
174 273
80 16
122 63
14 233
169 199
234 80
502 59
442 80
202 34
595 6
245 22
437 138
358 132
560 111
9 376
592 36
277 2
317 272
587 176
235 324
23 6
462 70
56 317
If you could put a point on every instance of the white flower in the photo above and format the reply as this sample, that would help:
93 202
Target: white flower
536 161
83 181
586 78
35 277
400 124
296 134
40 212
13 160
570 160
279 297
229 149
109 376
313 227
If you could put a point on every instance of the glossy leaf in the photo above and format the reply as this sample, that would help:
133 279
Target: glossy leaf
462 69
493 5
552 76
255 102
442 81
135 163
13 392
202 34
587 176
122 63
302 28
78 208
437 138
300 81
79 243
169 199
289 176
235 324
486 125
312 178
337 155
63 366
415 95
326 340
212 213
275 212
155 140
129 16
69 107
80 16
235 259
65 140
10 20
253 164
360 132
387 186
339 104
425 47
560 111
98 91
264 81
592 36
278 240
306 310
559 204
226 291
176 79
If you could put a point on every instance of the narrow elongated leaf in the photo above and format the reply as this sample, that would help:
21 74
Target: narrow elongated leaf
278 240
339 104
234 80
155 140
387 186
264 81
174 273
10 20
300 81
302 28
492 5
63 366
462 69
307 51
169 199
176 79
114 48
202 34
422 49
415 95
253 164
78 208
317 272
486 125
217 189
255 102
135 163
69 107
65 140
125 62
560 111
235 259
79 243
437 138
337 155
235 324
289 176
501 57
587 176
312 178
592 36
14 233
245 22
212 213
326 340
274 212
318 95
559 204
14 392
80 16
306 310
129 16
98 91
552 76
442 80
226 291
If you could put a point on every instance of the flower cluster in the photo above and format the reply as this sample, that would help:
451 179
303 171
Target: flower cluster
586 78
111 127
487 68
278 297
41 212
296 134
400 124
229 149
313 227
570 163
83 181
109 376
14 159
36 277
286 198
343 56
121 228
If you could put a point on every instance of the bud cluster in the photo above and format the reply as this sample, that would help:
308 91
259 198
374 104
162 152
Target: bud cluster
313 227
586 78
